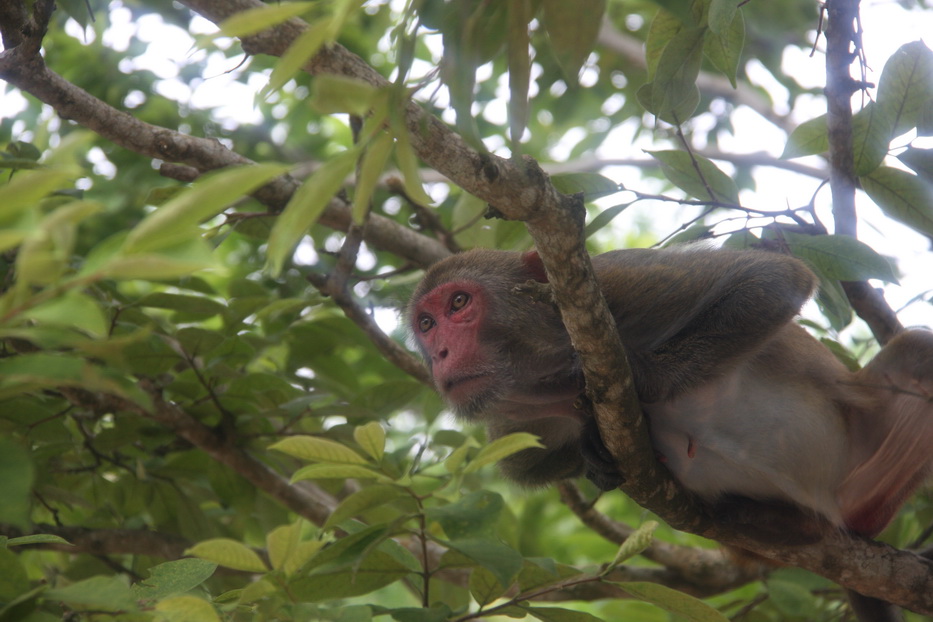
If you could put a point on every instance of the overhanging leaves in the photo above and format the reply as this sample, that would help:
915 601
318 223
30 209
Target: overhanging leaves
697 176
902 196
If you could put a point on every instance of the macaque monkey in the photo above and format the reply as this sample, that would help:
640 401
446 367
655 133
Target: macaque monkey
740 400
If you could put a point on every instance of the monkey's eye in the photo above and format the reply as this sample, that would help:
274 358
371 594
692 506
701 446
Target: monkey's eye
459 301
425 323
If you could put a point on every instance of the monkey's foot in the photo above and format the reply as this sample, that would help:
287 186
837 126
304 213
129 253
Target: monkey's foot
601 467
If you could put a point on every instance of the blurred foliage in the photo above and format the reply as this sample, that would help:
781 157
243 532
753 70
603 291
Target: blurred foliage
115 280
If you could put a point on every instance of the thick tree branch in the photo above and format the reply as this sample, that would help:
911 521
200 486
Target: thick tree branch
843 44
840 30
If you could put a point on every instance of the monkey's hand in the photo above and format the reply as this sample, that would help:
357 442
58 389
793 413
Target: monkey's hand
601 467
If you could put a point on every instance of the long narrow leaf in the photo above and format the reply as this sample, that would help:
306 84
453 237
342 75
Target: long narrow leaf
306 206
207 197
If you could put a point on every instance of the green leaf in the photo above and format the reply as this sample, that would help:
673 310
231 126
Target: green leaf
27 188
664 27
338 471
902 196
372 165
17 474
841 257
46 254
383 400
794 601
559 614
251 21
300 555
174 577
457 457
229 554
107 593
721 15
473 515
592 185
809 138
15 581
170 262
502 448
207 197
872 129
572 29
365 499
374 571
305 46
672 600
920 160
23 150
280 541
73 310
372 438
28 372
186 609
286 550
604 217
906 85
332 94
542 571
519 62
640 540
842 354
682 9
195 305
691 234
306 206
315 449
673 95
502 561
833 302
407 160
438 612
18 164
347 552
15 229
724 48
484 587
707 184
39 538
682 110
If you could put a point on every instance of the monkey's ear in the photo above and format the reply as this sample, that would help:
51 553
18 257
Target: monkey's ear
535 267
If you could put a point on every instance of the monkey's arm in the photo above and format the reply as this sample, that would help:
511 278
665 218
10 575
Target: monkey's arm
686 315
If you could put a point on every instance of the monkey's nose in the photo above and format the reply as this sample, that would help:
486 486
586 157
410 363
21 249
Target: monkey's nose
442 354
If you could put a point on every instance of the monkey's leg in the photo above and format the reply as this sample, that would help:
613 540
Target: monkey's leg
891 442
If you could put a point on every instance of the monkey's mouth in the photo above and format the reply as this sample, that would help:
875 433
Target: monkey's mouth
464 389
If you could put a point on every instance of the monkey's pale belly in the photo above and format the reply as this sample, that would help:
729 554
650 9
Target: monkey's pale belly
746 437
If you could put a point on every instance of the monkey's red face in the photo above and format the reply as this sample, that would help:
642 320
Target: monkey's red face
446 324
480 362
